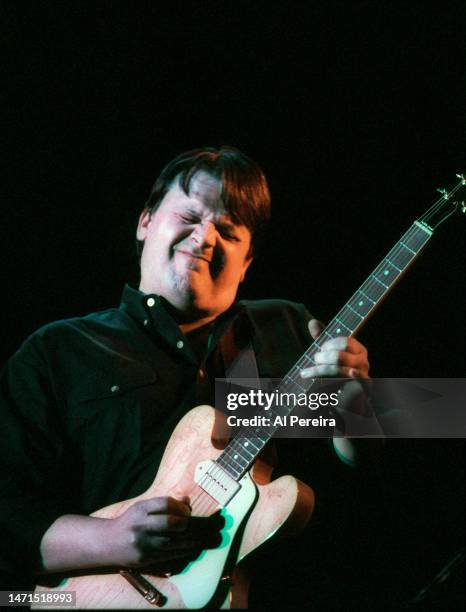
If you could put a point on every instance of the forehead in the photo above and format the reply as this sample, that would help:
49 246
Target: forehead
205 194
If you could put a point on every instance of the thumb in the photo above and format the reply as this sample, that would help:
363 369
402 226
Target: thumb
315 328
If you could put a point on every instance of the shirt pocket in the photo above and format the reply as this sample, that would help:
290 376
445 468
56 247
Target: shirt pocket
103 394
111 420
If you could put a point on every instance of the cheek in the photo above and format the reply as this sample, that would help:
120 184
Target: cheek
162 239
233 271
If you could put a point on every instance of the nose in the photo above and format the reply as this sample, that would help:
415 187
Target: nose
204 234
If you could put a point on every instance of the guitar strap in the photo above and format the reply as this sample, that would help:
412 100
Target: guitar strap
239 359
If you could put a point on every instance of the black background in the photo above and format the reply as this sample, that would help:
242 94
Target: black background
355 111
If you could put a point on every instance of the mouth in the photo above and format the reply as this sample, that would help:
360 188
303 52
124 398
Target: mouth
192 255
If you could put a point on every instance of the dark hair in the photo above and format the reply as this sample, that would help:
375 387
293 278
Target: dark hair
245 193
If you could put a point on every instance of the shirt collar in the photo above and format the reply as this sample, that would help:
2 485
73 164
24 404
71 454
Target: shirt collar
150 311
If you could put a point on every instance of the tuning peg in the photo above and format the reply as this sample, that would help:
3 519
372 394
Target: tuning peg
461 176
444 192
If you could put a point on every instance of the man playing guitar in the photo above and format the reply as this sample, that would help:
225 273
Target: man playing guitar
90 402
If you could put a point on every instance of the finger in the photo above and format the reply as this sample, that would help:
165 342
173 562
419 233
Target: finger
150 542
204 525
344 343
315 328
165 523
330 370
338 358
165 505
155 550
193 527
338 344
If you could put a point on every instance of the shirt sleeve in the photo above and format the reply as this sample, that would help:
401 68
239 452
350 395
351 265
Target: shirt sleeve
31 458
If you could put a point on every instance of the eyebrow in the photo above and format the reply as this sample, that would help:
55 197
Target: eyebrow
224 221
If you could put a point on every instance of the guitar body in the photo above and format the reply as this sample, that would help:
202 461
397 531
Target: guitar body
258 510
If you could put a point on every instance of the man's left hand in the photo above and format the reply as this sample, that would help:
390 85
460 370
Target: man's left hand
341 357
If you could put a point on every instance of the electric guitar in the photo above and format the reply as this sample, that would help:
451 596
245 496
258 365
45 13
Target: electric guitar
236 480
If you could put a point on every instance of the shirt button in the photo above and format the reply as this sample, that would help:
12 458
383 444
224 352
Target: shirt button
180 344
151 302
115 389
201 373
146 322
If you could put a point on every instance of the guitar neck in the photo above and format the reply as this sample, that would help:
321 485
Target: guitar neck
245 446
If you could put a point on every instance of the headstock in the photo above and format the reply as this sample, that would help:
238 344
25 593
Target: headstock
445 206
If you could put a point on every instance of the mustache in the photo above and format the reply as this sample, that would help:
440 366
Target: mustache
216 261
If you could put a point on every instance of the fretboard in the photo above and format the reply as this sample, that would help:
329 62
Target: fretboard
244 447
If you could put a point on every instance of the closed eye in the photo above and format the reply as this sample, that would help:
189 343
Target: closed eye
229 236
189 219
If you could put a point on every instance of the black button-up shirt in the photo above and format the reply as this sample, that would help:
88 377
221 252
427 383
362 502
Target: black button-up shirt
88 405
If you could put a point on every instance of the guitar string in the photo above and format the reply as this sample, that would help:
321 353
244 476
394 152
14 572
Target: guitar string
440 203
347 320
368 285
307 358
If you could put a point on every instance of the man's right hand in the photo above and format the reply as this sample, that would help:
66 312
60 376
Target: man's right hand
150 531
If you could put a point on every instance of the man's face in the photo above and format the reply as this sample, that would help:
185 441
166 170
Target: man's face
194 255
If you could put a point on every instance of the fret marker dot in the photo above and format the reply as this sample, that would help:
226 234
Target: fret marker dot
235 456
338 330
385 272
360 303
246 443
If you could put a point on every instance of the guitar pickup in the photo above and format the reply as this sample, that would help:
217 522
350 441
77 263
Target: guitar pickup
216 482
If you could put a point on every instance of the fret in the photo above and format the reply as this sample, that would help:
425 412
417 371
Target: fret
387 271
237 462
238 449
375 288
355 311
407 247
235 455
235 458
338 329
366 296
251 443
302 389
261 429
244 446
392 264
346 317
229 468
401 256
361 303
308 358
234 471
379 281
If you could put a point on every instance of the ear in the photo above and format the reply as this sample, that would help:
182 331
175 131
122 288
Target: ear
143 224
247 263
